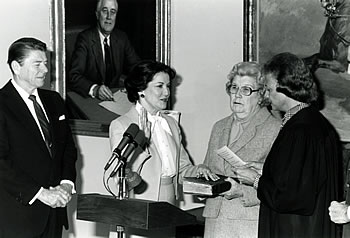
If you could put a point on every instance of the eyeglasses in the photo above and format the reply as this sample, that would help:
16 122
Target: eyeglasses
244 90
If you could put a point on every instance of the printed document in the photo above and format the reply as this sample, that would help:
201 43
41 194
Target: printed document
230 156
120 104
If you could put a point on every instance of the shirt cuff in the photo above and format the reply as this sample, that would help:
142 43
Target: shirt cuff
91 91
36 196
348 213
71 183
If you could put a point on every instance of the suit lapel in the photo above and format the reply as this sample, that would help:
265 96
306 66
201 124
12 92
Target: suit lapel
19 109
132 115
247 135
224 139
114 47
175 135
250 131
97 51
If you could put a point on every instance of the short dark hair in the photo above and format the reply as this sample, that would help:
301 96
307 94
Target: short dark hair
19 49
294 78
143 73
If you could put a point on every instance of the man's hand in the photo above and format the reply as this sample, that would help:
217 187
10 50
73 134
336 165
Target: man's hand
56 196
104 93
338 212
67 187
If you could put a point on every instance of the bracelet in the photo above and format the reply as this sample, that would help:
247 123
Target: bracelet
256 181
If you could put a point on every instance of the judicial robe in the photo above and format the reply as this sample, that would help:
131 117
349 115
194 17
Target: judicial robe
301 176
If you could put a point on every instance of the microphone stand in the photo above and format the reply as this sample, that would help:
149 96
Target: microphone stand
122 194
122 190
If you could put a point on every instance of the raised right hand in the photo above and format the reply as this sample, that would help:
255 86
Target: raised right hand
145 125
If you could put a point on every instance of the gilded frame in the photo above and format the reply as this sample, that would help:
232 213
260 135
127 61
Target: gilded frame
58 57
296 36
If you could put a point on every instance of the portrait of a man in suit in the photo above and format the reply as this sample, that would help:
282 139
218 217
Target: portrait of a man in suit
94 79
101 55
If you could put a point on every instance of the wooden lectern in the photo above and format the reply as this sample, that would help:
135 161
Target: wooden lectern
133 213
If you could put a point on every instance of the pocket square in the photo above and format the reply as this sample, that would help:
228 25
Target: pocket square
62 117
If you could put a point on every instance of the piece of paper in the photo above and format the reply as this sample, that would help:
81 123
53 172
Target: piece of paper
120 105
230 156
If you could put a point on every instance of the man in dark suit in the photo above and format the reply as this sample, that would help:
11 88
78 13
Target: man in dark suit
101 54
37 151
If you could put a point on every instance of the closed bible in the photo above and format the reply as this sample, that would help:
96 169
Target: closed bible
201 186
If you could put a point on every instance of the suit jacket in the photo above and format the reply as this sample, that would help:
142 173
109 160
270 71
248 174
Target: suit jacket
151 170
88 65
253 145
26 164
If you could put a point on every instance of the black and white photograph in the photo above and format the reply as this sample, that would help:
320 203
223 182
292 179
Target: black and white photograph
175 119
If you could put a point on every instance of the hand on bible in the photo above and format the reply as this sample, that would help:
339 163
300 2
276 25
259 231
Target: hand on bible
235 190
204 171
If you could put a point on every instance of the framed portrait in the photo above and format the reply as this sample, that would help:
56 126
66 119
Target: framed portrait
147 25
317 31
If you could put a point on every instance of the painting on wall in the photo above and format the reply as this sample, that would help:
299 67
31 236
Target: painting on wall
147 18
317 31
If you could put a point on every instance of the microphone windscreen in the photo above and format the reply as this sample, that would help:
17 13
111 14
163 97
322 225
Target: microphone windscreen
132 130
128 137
140 139
132 178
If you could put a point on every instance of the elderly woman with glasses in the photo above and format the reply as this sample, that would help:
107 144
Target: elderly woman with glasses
249 133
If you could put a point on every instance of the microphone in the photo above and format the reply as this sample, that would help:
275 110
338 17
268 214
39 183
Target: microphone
128 136
139 140
132 178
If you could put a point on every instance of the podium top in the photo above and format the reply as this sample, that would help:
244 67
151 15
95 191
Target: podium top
135 213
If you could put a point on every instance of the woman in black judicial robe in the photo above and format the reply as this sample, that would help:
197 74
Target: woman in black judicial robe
300 179
302 171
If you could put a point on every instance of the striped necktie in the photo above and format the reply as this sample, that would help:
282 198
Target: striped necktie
44 124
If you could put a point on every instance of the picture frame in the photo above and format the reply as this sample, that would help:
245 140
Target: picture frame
302 28
58 34
272 26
